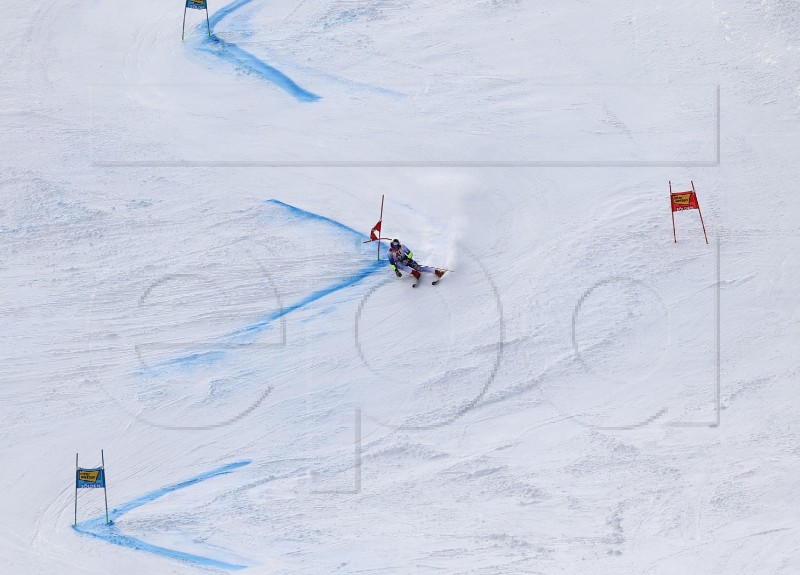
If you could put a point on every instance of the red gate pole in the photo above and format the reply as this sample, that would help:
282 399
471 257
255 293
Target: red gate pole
379 234
699 212
672 211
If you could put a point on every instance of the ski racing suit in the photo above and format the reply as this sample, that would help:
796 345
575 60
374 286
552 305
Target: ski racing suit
402 259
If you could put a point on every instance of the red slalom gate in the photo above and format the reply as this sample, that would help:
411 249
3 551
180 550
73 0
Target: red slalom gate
687 200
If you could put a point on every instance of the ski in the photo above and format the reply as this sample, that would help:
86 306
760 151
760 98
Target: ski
438 279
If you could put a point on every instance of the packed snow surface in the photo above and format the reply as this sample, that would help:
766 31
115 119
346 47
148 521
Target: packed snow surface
184 285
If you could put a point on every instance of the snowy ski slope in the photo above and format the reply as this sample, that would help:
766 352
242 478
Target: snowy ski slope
183 284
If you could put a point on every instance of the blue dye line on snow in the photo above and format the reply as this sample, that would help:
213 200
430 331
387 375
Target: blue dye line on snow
109 533
241 335
312 216
200 358
233 54
226 11
352 280
347 282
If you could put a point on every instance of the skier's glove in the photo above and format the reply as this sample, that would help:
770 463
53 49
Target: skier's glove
397 273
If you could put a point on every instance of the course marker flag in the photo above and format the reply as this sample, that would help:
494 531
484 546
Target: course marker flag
91 478
687 200
196 5
375 232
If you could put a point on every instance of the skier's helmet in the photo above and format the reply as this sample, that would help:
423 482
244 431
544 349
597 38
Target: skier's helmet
395 243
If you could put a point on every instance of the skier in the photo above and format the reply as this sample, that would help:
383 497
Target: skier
401 258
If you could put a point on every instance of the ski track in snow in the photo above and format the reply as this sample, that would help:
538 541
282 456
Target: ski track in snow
109 532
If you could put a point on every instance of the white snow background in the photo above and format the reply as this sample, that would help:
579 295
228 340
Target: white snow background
183 284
